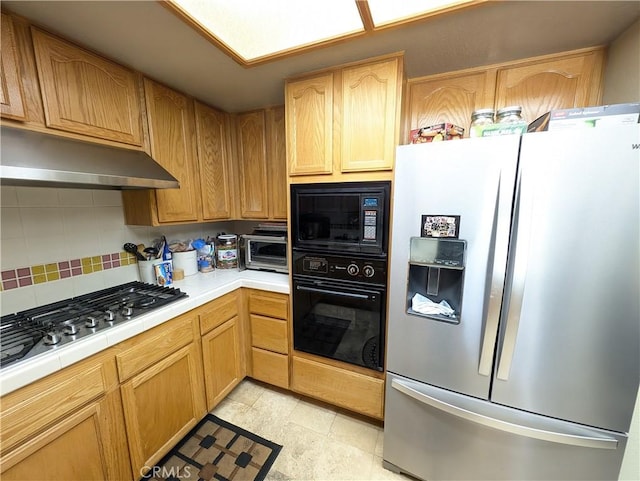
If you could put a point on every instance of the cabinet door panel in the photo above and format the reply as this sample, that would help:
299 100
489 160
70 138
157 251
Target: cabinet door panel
85 93
277 144
223 367
161 404
309 125
11 95
171 130
564 82
449 99
370 98
212 129
87 445
253 165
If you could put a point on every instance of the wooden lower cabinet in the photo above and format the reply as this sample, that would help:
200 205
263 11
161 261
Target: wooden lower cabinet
223 346
222 355
350 390
270 367
86 445
268 314
161 405
67 426
162 388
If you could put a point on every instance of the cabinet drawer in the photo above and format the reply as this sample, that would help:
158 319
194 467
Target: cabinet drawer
337 386
269 304
217 312
270 367
269 333
155 346
49 400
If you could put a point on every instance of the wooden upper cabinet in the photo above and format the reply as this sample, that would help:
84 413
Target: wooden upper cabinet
448 98
277 163
371 97
558 82
252 157
310 125
85 93
11 95
172 134
212 129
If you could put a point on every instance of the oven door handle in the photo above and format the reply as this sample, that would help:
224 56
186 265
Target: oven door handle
333 293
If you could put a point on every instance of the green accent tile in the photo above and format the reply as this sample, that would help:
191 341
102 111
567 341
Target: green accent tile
86 262
51 268
97 267
96 260
124 255
53 276
37 269
87 269
39 279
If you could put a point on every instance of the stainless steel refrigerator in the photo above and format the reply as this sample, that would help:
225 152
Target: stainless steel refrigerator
530 368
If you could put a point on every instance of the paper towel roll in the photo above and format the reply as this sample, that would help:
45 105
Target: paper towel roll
187 261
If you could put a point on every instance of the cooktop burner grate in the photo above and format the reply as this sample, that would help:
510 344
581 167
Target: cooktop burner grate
34 331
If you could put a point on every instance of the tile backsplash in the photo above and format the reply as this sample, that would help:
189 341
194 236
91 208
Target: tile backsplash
60 243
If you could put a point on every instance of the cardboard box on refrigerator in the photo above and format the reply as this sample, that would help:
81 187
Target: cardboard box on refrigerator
436 133
615 114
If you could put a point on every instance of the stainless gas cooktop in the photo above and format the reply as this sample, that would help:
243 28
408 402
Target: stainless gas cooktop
35 331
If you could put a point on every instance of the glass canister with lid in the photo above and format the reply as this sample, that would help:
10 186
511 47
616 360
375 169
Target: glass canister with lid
482 117
227 248
509 115
479 118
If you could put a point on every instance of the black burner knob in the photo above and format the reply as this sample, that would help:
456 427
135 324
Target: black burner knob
51 338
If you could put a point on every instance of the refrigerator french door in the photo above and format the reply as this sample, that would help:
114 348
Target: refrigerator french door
538 376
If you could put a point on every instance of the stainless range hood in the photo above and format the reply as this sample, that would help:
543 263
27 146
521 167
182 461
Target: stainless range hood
37 159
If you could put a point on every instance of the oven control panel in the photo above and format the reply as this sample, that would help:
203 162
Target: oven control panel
358 269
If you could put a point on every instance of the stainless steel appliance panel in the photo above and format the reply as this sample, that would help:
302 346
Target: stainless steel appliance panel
435 434
473 179
570 337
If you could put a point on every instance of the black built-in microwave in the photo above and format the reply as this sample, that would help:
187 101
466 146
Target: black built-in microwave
344 217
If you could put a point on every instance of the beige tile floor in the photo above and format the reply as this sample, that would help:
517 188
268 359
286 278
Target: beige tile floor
320 442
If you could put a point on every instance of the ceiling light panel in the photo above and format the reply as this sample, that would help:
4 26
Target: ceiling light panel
255 29
385 12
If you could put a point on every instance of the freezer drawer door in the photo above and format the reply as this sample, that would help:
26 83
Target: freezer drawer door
436 435
570 337
473 179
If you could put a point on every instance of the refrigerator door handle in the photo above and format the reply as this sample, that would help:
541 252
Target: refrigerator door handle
572 439
523 216
501 247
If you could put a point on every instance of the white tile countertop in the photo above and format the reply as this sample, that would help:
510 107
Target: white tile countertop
201 288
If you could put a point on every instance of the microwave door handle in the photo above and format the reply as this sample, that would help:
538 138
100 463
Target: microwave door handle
332 293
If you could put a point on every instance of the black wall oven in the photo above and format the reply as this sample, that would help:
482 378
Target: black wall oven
339 235
338 313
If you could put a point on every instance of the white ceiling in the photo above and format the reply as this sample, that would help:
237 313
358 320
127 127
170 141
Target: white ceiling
149 38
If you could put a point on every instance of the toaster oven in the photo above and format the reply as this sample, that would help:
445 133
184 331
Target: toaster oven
266 252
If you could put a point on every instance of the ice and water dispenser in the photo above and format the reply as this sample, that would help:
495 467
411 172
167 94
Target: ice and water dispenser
436 275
